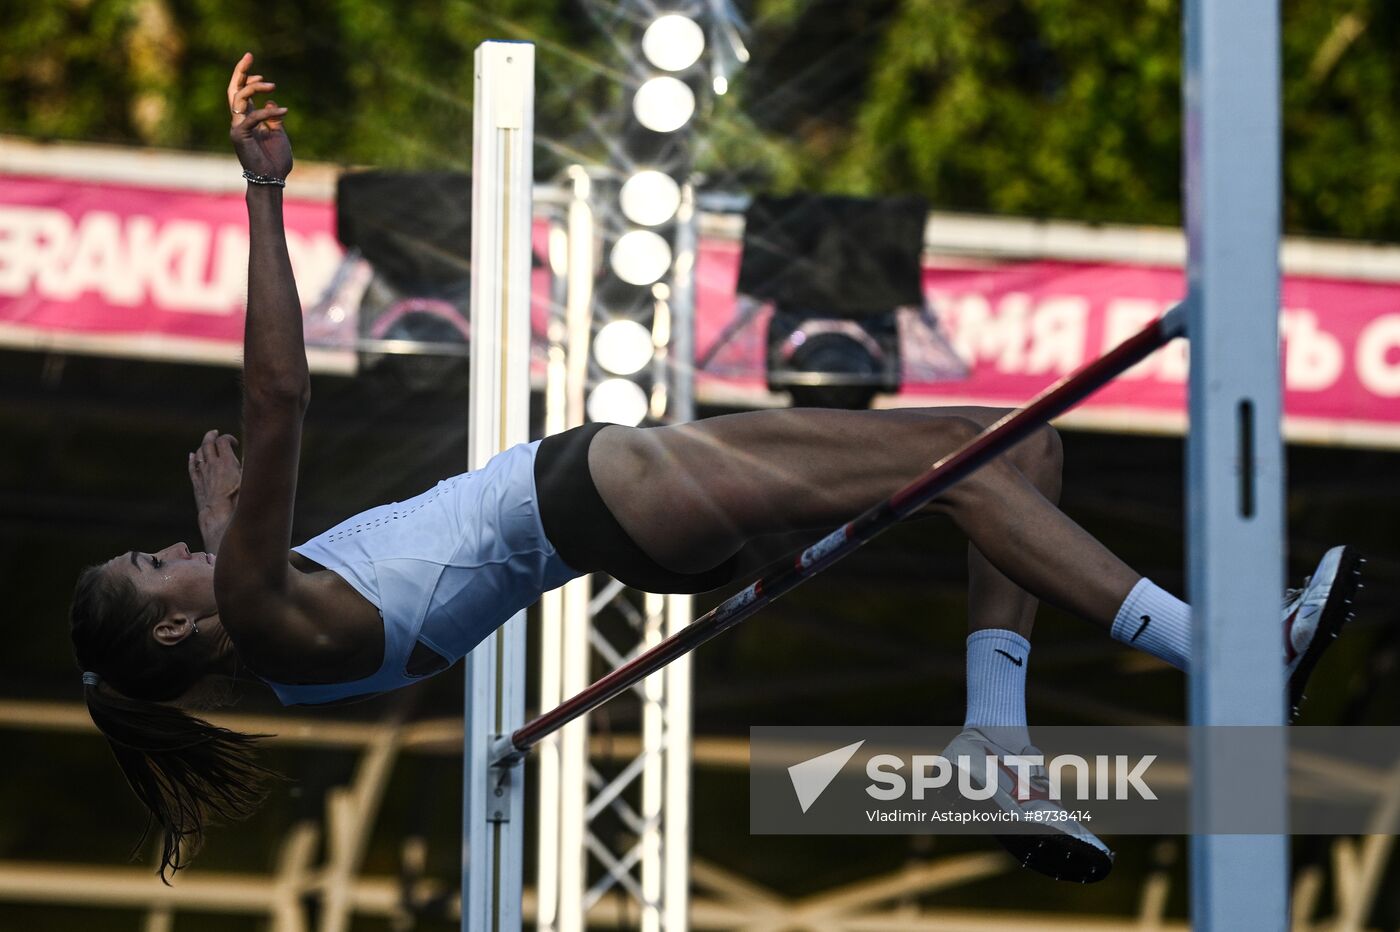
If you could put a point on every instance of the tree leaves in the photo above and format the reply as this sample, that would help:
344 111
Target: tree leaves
1055 108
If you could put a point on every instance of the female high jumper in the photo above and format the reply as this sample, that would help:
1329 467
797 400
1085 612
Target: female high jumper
404 590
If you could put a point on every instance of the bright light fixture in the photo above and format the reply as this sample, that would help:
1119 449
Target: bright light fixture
640 257
673 42
622 347
617 401
650 197
663 104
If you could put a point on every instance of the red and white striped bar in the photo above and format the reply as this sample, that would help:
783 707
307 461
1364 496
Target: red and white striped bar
508 750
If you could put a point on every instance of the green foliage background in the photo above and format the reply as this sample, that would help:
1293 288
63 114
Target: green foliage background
1057 108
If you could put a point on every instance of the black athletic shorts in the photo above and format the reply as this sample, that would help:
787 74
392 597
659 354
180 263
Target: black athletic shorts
583 530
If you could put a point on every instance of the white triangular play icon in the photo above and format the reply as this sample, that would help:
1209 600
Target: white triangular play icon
811 777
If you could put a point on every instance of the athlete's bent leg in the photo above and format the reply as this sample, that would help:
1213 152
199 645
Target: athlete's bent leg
993 601
692 494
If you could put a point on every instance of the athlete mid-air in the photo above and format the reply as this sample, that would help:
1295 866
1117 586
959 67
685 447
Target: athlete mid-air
404 590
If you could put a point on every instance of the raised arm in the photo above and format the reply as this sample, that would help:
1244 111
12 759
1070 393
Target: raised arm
251 578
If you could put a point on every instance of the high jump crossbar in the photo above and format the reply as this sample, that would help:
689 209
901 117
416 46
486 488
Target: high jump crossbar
509 750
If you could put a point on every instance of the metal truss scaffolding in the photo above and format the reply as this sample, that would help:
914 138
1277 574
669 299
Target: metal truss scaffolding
315 888
620 829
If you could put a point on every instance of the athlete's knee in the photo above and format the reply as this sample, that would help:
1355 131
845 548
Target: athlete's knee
1041 459
1039 455
954 432
1047 449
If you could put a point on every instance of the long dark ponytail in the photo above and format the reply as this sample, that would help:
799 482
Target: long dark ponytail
186 771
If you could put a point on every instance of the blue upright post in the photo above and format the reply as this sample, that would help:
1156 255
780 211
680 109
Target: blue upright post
1234 455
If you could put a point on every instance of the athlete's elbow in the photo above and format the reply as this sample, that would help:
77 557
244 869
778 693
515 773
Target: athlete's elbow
280 393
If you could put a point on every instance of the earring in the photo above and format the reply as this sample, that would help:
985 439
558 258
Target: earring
194 627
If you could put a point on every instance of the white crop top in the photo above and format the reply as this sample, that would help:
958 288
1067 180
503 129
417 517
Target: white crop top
446 568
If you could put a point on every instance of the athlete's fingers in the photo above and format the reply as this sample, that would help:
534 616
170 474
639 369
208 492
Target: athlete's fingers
240 70
274 123
251 79
257 117
242 101
253 86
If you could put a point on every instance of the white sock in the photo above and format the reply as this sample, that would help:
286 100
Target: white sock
996 685
1156 621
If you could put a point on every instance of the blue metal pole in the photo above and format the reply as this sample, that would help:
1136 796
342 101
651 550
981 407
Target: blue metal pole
1235 457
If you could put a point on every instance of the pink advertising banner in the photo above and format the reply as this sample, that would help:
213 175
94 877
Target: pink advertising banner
111 267
1019 326
120 268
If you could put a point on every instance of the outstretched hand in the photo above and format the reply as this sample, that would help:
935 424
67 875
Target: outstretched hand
258 136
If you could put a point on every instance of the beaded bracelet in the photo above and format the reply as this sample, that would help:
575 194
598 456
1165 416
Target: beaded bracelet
264 179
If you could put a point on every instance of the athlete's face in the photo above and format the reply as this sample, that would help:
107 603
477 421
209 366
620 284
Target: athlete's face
183 581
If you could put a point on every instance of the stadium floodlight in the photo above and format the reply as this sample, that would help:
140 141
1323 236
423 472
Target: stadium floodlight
622 347
650 198
664 104
836 270
641 257
673 42
617 401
